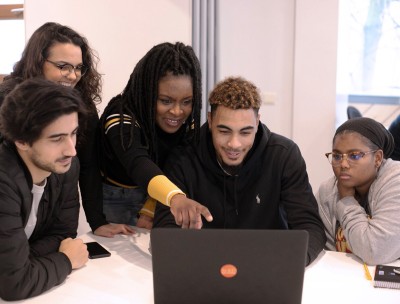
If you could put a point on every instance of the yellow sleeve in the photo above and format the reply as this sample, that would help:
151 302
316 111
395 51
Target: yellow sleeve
149 207
162 189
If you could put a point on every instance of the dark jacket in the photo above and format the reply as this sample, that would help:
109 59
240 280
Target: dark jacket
395 131
271 190
30 267
90 178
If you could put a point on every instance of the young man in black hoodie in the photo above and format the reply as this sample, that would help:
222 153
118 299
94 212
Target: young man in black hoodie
39 200
247 176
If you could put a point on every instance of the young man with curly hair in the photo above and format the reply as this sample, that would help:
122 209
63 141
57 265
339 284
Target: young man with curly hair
247 176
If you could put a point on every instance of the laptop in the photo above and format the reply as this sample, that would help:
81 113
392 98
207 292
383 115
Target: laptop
228 266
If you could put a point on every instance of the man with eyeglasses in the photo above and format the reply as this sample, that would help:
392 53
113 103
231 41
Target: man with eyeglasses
360 204
247 176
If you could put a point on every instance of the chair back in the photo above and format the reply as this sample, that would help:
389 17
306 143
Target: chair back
353 112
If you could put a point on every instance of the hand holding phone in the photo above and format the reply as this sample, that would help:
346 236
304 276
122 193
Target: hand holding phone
96 250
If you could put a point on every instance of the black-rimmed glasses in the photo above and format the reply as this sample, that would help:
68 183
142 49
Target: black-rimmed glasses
66 68
352 158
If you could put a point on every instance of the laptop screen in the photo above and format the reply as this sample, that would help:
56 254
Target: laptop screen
228 266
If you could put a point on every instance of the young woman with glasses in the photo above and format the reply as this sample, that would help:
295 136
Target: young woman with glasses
360 205
61 55
159 109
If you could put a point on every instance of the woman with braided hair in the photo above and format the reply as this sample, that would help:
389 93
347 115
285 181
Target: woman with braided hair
360 205
158 110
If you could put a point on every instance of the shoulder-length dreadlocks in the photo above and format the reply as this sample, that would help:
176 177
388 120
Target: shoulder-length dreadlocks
139 97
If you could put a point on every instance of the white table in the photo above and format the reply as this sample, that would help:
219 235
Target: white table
126 277
338 278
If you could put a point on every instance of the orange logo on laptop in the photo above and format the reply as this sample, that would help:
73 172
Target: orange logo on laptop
228 271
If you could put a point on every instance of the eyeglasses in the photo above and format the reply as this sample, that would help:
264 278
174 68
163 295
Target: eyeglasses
352 158
66 68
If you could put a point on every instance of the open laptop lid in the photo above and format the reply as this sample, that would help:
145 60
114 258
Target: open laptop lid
228 266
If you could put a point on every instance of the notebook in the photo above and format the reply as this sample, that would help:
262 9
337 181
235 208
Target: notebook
385 277
228 266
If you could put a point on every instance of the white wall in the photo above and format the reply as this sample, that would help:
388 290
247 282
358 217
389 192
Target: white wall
121 31
257 42
287 47
314 90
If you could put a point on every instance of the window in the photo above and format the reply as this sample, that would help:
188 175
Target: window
12 34
368 71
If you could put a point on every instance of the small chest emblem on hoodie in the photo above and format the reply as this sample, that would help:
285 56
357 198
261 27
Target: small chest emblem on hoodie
258 201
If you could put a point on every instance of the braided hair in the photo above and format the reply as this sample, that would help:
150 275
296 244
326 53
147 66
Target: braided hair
139 98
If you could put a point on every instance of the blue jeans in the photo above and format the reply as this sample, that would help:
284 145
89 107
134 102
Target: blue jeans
121 205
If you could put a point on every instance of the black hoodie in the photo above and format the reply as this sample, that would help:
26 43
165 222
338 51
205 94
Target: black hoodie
270 191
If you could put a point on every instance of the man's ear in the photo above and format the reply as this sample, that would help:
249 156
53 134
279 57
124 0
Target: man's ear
21 145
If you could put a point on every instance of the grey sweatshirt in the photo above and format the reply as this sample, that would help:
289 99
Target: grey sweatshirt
375 240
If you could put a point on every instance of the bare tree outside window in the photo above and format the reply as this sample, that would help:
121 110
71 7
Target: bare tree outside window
369 47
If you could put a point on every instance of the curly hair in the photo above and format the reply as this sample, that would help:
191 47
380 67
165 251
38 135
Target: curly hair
139 98
37 51
235 93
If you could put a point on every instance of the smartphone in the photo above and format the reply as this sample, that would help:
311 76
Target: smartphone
396 270
96 250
